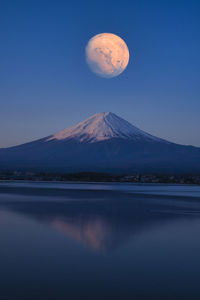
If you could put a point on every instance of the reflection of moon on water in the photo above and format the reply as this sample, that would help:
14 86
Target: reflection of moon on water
107 55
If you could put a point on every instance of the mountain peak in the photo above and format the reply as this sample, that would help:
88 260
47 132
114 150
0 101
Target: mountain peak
102 126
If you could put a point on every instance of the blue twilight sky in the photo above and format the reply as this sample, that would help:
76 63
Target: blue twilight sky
46 85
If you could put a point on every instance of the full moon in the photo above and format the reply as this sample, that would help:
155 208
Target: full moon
107 55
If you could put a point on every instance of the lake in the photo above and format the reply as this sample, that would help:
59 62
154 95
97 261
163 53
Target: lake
99 241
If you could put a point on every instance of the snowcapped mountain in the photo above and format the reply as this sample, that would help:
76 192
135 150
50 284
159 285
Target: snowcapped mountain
100 127
104 142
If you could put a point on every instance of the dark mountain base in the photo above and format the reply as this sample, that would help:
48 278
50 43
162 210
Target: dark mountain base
118 156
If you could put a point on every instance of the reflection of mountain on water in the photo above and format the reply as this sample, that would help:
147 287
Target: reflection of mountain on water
103 224
93 231
100 232
101 228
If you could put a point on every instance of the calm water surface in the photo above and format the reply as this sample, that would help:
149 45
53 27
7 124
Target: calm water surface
99 241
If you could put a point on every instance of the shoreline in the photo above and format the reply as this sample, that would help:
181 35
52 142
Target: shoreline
93 182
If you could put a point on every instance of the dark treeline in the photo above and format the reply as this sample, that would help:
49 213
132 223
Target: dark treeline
101 177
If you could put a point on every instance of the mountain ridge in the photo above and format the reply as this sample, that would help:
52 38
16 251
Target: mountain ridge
102 143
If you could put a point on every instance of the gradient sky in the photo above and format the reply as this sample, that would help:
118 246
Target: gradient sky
46 85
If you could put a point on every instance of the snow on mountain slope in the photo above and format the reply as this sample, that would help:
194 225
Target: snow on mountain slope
103 126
